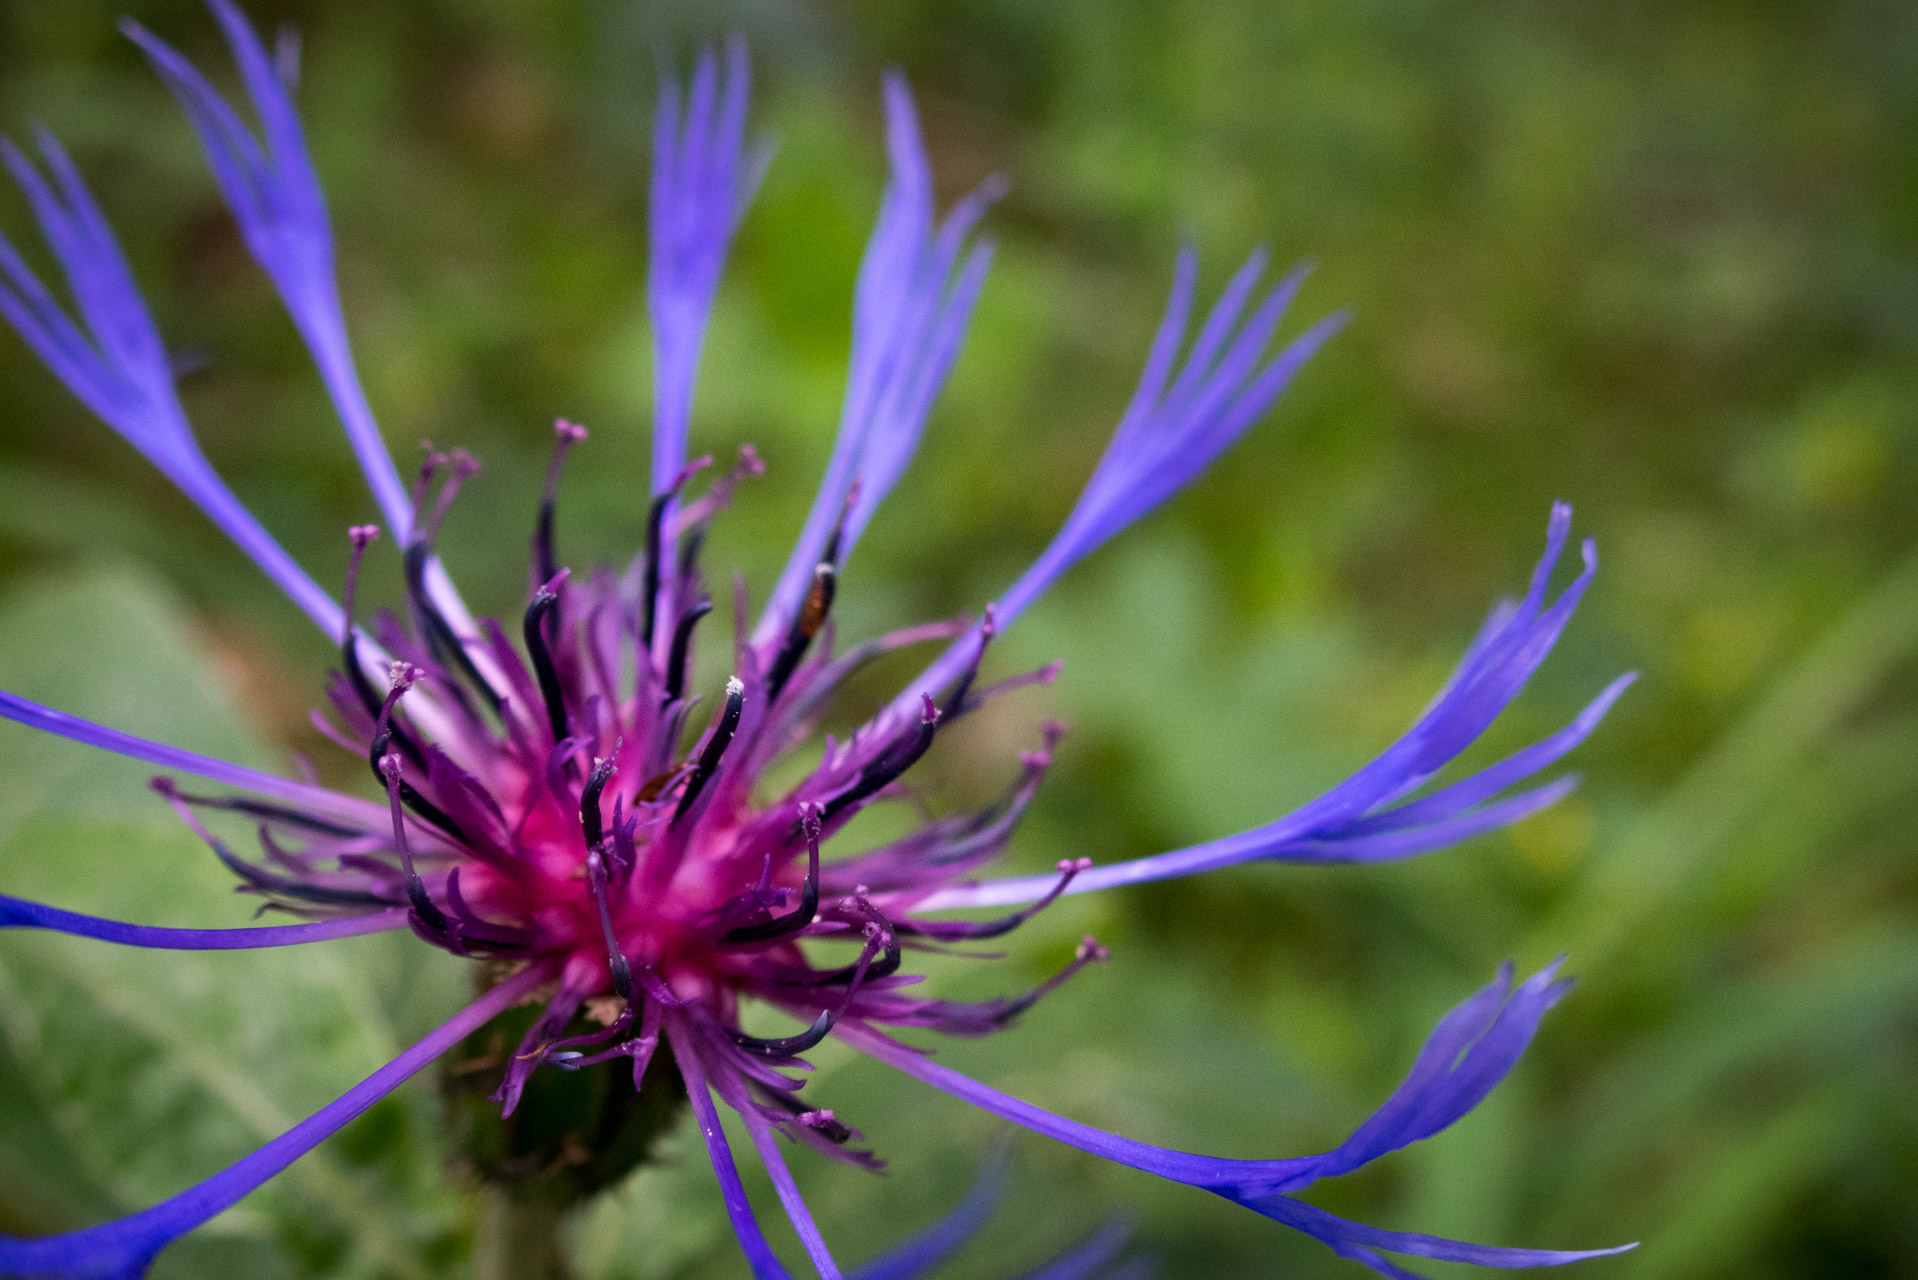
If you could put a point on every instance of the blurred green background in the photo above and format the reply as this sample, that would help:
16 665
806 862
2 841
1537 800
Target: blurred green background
1658 260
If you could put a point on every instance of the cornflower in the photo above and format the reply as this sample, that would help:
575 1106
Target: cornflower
537 808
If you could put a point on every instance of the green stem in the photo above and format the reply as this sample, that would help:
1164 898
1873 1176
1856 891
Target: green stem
517 1239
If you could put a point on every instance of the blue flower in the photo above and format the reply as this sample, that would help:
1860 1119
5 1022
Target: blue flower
536 807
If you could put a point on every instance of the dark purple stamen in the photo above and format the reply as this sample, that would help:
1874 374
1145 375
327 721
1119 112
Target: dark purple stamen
282 887
901 757
591 824
682 647
884 967
405 676
716 745
856 657
424 908
615 958
955 701
442 641
440 638
472 927
1088 952
371 700
411 798
360 535
258 877
465 466
799 636
977 697
802 915
545 602
969 930
814 609
785 1046
692 542
544 563
574 1060
853 490
827 1126
649 598
665 744
279 813
624 852
558 1051
457 901
820 1122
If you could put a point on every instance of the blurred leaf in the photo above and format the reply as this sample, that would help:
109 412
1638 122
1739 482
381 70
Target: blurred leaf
1684 834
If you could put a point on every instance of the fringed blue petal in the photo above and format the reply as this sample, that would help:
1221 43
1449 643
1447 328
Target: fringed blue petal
275 196
1165 439
1473 1047
1357 1241
1366 818
916 289
1468 1053
118 366
700 189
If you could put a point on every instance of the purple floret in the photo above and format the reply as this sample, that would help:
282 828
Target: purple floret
554 799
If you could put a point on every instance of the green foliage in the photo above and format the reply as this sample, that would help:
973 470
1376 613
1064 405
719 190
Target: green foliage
1657 260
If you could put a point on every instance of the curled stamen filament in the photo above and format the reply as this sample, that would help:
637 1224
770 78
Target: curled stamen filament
423 905
787 1046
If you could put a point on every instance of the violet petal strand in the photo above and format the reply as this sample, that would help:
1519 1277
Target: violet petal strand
1346 1237
275 197
123 1248
1088 1259
752 1241
700 188
17 913
319 799
1351 822
1473 1047
1167 436
910 311
119 367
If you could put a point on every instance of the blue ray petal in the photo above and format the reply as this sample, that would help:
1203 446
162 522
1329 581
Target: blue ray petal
126 1246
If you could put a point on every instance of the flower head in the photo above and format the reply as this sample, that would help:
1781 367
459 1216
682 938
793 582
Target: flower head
555 796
